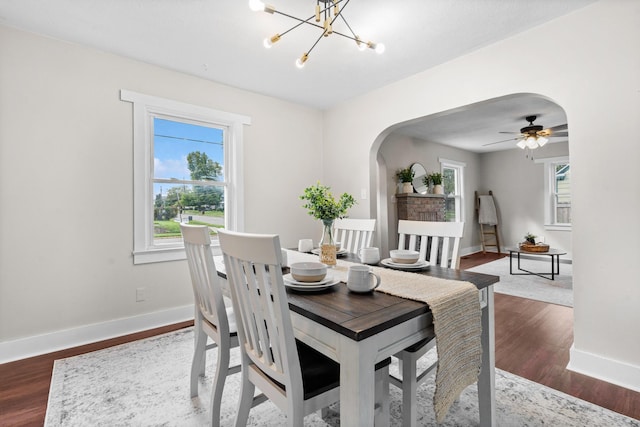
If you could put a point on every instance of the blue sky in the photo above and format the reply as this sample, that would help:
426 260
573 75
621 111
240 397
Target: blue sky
174 140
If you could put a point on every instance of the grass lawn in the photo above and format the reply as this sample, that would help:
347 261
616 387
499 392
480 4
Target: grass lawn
169 229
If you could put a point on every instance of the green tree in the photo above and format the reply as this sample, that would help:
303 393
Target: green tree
202 167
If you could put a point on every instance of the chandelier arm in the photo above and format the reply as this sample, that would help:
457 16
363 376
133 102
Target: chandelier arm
301 21
314 45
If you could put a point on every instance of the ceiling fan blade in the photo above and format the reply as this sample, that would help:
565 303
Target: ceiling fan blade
498 142
559 134
559 127
510 132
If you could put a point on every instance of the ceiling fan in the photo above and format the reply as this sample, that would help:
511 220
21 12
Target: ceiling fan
534 136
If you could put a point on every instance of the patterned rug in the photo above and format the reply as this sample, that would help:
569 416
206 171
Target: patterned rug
146 383
558 291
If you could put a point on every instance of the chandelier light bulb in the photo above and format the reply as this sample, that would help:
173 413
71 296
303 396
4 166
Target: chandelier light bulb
268 42
532 143
300 61
379 48
256 5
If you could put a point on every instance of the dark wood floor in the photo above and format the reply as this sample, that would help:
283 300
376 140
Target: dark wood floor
532 340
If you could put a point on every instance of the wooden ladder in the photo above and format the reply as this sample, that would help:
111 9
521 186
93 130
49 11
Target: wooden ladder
492 230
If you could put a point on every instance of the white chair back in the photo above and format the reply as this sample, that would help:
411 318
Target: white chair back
207 290
253 265
354 234
440 241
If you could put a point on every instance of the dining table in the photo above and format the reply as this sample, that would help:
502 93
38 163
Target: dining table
359 330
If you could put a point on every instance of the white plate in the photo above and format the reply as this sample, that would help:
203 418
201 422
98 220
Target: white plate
420 265
288 279
311 287
341 252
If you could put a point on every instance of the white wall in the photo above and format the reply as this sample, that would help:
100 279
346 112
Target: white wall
66 184
589 65
518 187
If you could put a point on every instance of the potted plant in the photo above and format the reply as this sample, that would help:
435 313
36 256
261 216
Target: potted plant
426 180
405 176
436 179
321 204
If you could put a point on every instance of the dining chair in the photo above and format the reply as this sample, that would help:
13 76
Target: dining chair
294 376
213 317
354 234
441 241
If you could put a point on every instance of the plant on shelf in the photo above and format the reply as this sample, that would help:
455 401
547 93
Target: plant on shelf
426 180
321 204
436 178
405 175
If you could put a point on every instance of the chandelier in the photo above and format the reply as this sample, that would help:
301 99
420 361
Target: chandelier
327 12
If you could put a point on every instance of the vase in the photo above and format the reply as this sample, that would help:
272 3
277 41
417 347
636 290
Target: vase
327 243
438 189
407 187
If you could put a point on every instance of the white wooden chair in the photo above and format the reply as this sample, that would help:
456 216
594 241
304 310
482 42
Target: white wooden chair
441 240
354 234
297 378
213 318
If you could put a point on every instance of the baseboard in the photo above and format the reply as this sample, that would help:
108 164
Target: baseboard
60 340
602 368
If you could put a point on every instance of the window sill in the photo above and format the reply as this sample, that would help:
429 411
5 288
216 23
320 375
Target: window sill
159 255
557 227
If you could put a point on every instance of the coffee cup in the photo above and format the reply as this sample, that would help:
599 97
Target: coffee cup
362 279
369 255
305 245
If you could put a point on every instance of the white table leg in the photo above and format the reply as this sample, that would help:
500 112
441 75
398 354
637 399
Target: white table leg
487 378
357 382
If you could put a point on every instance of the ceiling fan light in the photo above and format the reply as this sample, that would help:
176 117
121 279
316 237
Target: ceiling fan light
542 141
522 144
531 142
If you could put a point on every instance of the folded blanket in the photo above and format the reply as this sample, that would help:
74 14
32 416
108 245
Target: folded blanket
487 211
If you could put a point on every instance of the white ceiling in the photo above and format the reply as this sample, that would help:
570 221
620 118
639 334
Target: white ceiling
221 40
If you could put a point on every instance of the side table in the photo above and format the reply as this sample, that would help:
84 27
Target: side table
554 254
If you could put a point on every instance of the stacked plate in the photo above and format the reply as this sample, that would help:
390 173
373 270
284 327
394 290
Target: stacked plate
419 265
340 252
325 283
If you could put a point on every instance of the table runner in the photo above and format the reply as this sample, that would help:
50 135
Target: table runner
455 306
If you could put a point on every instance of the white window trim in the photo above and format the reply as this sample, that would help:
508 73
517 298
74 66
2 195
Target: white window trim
549 173
460 166
146 106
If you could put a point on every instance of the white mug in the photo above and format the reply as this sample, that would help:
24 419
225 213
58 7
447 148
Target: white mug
369 255
360 278
305 245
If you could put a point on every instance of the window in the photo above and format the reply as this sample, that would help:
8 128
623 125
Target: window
187 168
557 192
452 180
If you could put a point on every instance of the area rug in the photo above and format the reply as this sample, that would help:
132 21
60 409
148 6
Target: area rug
558 291
146 383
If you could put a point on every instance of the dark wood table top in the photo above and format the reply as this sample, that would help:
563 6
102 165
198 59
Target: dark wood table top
359 316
